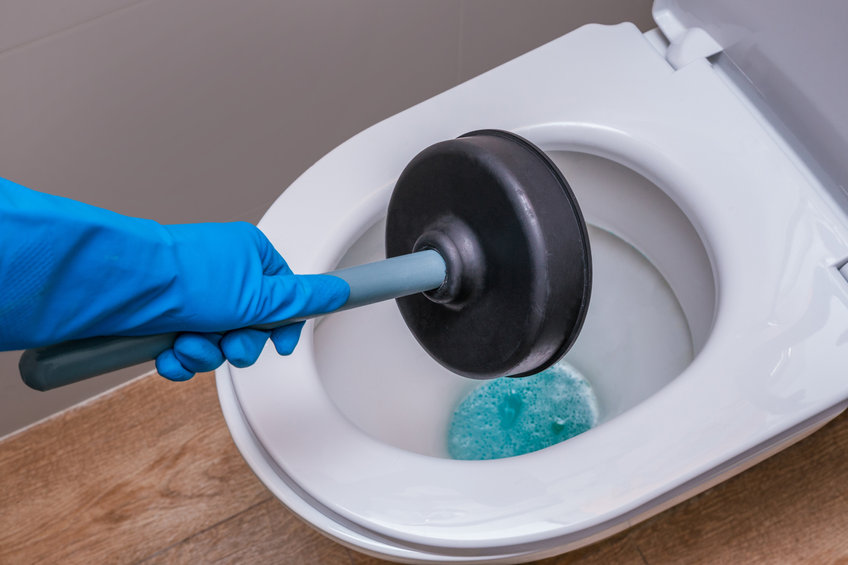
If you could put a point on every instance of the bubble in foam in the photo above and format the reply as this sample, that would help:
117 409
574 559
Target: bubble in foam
506 417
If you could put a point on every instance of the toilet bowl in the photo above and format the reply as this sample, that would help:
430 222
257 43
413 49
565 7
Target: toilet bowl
715 336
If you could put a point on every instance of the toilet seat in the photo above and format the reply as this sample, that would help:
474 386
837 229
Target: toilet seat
770 371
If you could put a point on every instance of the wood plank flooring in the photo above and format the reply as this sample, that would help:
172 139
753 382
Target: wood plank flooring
148 474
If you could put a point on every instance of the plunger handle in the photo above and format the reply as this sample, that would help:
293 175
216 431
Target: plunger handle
52 366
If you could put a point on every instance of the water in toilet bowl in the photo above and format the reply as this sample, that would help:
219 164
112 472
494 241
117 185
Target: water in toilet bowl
507 417
636 339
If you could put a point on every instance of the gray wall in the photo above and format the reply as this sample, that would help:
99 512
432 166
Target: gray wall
205 110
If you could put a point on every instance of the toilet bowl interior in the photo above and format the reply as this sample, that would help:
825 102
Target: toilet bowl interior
651 312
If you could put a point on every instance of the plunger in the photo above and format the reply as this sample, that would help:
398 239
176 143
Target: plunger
488 258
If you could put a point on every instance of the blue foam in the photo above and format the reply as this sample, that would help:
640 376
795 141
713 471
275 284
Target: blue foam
506 417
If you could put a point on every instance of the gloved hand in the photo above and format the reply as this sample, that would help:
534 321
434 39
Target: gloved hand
69 270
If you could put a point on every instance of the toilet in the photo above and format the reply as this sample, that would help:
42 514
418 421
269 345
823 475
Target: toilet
716 335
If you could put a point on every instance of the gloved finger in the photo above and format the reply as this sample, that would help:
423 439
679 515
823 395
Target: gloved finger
169 367
285 338
272 262
242 347
301 295
198 352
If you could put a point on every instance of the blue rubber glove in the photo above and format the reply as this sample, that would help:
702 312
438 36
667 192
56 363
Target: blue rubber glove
69 270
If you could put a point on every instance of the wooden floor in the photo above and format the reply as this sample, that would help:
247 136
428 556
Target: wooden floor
149 474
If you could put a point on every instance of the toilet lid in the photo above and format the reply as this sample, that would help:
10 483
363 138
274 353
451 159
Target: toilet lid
789 58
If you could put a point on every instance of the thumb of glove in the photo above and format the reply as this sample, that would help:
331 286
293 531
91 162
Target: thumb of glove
284 296
296 296
293 296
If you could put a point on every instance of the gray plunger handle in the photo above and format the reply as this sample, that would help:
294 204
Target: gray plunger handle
52 366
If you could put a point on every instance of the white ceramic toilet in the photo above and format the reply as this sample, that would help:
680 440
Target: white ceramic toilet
716 334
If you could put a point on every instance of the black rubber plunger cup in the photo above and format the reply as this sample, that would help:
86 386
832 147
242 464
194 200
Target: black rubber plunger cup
507 224
488 258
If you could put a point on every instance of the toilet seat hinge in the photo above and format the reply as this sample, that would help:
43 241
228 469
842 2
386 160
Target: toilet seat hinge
685 44
693 44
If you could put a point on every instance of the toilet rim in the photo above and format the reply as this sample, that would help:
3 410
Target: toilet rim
352 535
567 510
